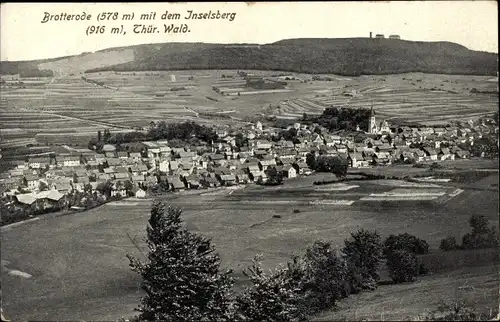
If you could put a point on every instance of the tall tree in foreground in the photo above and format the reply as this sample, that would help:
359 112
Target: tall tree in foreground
181 277
364 252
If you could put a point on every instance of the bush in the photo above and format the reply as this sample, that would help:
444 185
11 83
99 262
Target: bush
403 266
448 243
406 242
482 236
364 251
457 311
325 277
273 297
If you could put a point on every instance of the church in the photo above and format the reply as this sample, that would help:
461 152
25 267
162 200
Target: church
373 128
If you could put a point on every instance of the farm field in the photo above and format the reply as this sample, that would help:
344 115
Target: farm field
242 223
70 106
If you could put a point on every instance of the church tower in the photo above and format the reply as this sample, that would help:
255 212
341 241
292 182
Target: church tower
372 124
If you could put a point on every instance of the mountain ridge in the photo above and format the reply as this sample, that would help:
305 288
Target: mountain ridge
342 56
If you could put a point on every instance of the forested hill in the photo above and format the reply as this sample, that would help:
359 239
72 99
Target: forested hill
343 56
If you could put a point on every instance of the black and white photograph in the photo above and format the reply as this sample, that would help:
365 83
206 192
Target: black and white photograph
249 161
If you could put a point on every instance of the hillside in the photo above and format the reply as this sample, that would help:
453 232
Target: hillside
342 56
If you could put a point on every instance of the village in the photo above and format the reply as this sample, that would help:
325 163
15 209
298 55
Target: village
44 183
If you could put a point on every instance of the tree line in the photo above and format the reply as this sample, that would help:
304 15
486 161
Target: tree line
187 131
183 279
338 118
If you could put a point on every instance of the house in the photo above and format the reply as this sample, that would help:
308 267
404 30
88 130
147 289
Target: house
445 154
118 190
32 182
110 154
136 156
152 150
109 148
186 169
356 160
122 176
242 178
20 165
382 158
38 162
100 158
263 164
139 179
226 179
302 168
289 171
431 154
176 184
419 155
140 193
407 156
260 154
462 154
263 145
50 199
26 200
122 155
341 148
113 162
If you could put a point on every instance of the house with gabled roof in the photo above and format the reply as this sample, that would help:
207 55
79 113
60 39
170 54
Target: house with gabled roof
176 183
430 153
302 168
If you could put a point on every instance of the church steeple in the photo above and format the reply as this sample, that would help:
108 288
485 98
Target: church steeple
372 124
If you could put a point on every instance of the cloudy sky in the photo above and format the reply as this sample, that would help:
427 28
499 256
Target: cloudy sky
473 24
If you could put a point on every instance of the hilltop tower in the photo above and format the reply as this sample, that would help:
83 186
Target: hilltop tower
372 124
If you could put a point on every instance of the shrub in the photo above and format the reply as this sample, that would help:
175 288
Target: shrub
273 297
364 251
449 243
482 236
181 277
406 242
457 311
403 266
325 276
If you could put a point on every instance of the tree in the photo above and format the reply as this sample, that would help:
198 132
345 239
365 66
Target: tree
406 242
128 186
106 136
87 188
105 188
449 243
99 136
240 140
42 186
326 275
403 266
364 251
181 277
482 236
272 297
479 225
311 160
274 177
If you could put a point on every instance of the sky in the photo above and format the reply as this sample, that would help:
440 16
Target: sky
473 24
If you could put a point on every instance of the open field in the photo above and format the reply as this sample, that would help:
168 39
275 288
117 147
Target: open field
79 270
73 107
